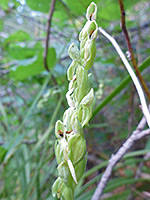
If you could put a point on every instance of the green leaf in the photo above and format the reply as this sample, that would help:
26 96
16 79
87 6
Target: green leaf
24 71
19 36
4 4
39 5
2 153
115 183
77 7
1 24
18 52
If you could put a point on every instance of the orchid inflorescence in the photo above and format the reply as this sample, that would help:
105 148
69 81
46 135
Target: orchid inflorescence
70 146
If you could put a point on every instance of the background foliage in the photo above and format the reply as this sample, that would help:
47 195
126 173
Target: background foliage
30 102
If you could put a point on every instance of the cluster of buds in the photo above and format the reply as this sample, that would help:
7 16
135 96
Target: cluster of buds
70 146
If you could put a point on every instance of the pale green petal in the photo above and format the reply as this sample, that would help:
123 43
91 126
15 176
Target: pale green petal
72 170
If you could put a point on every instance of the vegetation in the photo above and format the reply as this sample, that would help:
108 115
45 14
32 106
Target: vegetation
34 41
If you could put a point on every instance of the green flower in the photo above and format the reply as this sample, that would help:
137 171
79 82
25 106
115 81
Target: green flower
70 146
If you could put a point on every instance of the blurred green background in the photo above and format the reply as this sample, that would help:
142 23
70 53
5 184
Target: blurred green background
31 102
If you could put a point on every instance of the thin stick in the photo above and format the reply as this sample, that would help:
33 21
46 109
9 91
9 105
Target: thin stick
48 33
132 74
52 6
136 135
123 25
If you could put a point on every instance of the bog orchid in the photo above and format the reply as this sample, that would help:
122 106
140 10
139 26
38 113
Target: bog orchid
70 146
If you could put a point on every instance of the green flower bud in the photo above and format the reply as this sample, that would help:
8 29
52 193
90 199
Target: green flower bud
59 129
88 32
82 83
69 97
58 152
67 193
61 150
88 99
74 52
71 70
92 30
67 118
80 168
84 33
89 55
76 126
76 147
61 190
84 114
63 171
91 11
57 187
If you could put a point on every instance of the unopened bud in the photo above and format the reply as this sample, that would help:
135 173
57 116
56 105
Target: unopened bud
84 114
91 11
76 148
71 70
57 187
63 171
89 54
88 99
82 82
74 52
76 126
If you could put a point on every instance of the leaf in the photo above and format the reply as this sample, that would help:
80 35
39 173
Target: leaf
18 36
39 5
108 10
1 24
24 71
77 7
115 183
2 153
18 52
4 4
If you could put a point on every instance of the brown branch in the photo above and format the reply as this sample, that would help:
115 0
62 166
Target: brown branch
48 33
136 135
52 6
123 26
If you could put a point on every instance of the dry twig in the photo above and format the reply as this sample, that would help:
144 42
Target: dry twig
48 33
136 135
52 6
